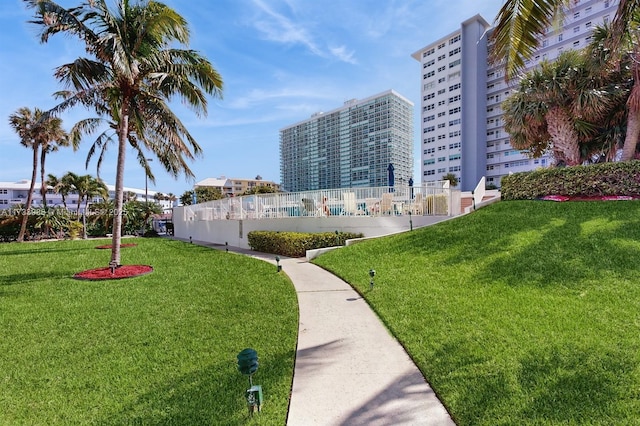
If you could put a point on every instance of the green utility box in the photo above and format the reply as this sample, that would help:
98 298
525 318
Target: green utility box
254 398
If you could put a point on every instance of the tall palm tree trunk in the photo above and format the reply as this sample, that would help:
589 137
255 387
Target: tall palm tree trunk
563 135
43 188
117 217
25 213
43 181
633 120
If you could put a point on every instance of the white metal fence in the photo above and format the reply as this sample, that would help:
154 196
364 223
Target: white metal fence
430 199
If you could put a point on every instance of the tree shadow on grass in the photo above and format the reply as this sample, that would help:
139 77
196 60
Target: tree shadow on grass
568 385
39 251
28 277
573 385
212 395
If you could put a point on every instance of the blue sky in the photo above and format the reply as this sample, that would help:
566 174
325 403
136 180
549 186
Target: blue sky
281 61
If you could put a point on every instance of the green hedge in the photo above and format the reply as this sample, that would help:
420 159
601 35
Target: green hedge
10 227
296 244
621 178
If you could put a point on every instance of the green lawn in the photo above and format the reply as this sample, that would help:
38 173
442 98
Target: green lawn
156 349
520 313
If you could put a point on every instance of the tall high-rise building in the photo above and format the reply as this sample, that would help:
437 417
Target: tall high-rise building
351 146
461 115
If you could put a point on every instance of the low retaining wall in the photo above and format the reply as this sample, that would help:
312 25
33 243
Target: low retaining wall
234 232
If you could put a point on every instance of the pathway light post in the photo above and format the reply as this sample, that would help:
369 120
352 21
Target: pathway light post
372 273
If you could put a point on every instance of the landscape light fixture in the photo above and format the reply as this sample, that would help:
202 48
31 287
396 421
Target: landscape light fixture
247 365
278 265
410 222
226 246
372 273
190 239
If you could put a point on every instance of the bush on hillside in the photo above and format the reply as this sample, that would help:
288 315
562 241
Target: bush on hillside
607 179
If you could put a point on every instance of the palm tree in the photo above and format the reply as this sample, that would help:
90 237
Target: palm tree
171 198
62 186
560 105
37 130
131 74
57 138
565 100
87 187
520 26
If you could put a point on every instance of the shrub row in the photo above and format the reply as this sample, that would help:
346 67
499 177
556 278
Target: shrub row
296 244
622 178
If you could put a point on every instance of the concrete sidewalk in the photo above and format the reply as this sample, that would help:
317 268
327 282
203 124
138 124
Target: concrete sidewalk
349 370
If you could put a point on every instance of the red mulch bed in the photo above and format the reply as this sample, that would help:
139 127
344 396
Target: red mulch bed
561 198
108 246
122 271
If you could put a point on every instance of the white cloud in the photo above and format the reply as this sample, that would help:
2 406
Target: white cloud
279 28
342 54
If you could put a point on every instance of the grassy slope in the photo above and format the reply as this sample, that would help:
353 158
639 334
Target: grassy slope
156 349
521 313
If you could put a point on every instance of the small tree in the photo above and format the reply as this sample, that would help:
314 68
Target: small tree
452 178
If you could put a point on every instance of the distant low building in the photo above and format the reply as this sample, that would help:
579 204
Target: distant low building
13 194
232 187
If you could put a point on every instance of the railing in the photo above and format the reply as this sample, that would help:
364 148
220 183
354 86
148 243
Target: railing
432 198
478 192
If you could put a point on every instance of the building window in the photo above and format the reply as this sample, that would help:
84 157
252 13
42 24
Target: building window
454 39
560 37
576 30
454 63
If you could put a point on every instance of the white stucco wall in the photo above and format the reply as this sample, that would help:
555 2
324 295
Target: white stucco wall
234 232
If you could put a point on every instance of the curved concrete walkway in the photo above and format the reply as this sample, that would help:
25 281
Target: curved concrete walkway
349 370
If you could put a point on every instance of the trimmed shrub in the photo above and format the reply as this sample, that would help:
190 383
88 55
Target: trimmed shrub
607 179
296 244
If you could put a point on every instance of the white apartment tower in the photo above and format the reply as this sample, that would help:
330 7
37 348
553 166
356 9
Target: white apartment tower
351 146
463 132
